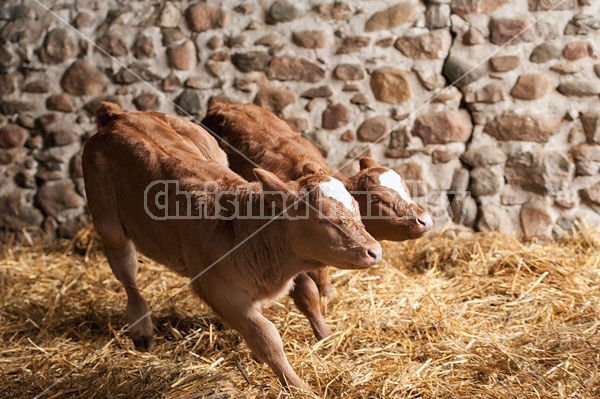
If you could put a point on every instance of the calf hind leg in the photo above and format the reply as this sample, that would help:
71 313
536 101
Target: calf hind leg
120 252
123 262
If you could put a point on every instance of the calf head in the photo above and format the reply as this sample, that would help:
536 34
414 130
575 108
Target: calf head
388 211
324 224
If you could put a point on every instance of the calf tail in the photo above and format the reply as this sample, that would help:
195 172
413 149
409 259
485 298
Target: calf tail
106 112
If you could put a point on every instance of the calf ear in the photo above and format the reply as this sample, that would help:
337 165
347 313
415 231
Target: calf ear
366 162
278 190
310 168
215 103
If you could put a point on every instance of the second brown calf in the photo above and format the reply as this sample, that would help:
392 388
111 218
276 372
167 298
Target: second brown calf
256 137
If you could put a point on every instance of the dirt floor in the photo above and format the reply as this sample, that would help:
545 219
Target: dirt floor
478 316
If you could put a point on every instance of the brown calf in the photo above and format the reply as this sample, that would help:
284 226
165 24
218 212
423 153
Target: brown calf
254 259
263 139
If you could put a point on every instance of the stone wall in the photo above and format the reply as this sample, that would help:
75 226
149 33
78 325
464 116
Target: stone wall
520 129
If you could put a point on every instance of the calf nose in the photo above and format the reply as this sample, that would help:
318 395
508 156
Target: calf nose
375 253
425 222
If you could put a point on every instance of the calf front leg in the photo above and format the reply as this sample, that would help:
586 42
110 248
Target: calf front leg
321 279
265 342
260 334
306 297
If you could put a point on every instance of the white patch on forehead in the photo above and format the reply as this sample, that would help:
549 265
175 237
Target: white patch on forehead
392 180
335 189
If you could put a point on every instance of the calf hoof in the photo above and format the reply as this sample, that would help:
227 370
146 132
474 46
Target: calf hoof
298 384
324 333
143 343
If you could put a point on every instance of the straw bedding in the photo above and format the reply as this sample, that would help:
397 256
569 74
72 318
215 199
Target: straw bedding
474 316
